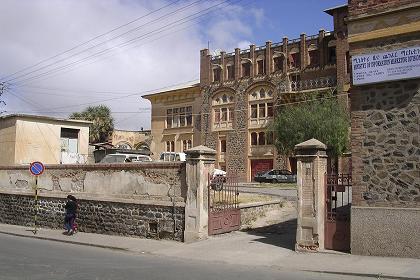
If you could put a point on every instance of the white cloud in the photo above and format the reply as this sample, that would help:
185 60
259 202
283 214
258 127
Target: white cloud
35 30
244 44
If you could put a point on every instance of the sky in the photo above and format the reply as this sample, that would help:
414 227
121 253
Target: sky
60 56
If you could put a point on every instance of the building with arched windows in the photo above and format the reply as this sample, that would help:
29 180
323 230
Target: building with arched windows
240 92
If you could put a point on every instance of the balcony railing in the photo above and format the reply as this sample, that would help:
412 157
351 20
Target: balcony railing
322 82
222 125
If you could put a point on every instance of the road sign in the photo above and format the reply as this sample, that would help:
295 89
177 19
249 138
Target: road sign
36 168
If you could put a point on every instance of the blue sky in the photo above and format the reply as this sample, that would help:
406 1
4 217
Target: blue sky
291 18
33 31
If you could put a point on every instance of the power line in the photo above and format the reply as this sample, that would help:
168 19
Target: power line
123 44
132 46
106 41
147 110
90 40
125 96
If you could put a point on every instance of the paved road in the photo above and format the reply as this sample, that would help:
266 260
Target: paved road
26 258
289 193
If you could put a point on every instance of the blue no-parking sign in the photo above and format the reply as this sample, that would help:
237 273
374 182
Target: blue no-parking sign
36 168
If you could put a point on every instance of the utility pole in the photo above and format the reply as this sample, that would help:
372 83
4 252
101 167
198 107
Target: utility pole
2 89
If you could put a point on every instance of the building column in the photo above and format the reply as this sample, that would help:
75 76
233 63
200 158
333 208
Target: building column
223 67
303 51
253 61
199 164
268 58
237 63
205 69
311 169
285 41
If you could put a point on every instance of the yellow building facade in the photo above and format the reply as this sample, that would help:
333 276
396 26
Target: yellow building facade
175 120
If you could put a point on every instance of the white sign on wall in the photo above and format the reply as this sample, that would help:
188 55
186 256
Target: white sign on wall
387 66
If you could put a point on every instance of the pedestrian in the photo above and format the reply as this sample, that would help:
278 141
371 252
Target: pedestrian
71 211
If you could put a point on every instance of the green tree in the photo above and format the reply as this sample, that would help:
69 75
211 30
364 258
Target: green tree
103 123
324 119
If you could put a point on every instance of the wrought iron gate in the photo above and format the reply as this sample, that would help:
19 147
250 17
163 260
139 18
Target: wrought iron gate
337 211
224 212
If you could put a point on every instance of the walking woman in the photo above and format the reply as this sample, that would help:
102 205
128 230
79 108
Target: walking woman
70 217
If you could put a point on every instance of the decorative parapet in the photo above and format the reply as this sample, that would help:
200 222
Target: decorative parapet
322 82
273 45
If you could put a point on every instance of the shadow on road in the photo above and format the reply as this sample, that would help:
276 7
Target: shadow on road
282 234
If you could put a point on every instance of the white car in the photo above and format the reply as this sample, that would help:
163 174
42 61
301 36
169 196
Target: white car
172 156
121 158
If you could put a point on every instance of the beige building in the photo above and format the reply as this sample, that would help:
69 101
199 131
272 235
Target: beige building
27 138
175 119
131 140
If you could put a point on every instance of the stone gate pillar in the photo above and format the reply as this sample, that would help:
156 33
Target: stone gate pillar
200 163
311 169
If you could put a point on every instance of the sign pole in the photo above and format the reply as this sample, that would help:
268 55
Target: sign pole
36 168
36 205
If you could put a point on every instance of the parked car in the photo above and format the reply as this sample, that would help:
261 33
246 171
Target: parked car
121 158
276 176
172 156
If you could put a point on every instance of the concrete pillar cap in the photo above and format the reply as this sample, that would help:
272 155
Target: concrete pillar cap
201 150
311 144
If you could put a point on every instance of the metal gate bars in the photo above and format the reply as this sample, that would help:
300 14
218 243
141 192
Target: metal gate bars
224 212
337 211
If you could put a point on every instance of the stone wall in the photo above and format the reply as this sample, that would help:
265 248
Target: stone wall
367 7
114 217
140 180
386 144
141 199
251 212
385 135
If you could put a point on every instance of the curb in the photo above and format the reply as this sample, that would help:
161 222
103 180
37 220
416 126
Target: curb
66 241
377 276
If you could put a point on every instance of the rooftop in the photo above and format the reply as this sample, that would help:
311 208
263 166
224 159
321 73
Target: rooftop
45 118
330 10
188 85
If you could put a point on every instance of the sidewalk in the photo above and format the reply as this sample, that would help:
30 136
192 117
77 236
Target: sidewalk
244 248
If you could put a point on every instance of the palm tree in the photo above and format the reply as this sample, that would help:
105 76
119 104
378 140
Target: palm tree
103 123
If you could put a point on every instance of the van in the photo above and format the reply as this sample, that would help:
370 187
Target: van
172 156
121 158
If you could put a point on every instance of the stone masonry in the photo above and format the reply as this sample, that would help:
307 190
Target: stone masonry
385 131
387 138
97 216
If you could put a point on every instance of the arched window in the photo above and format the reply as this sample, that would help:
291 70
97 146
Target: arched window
261 138
189 144
260 67
223 110
278 63
254 138
246 69
230 71
261 107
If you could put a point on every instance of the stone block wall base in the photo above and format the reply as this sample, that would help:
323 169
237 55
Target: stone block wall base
381 231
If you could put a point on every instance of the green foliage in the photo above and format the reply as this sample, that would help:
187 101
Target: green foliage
103 123
323 119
